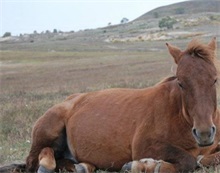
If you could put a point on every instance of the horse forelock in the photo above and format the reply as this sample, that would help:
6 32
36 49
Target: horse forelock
197 49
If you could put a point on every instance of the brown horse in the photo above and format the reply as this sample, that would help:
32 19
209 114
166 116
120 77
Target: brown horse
176 123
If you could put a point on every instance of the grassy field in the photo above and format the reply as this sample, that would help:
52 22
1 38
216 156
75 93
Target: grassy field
33 81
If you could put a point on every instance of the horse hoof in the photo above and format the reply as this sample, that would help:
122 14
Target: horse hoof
126 167
134 167
42 169
147 160
80 168
84 168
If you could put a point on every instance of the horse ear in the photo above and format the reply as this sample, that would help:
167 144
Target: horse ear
213 44
175 52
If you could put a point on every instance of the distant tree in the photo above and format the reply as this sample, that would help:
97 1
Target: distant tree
109 24
156 14
35 32
180 10
124 20
214 17
47 32
55 31
7 34
167 22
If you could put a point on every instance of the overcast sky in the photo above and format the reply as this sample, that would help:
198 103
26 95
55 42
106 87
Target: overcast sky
26 16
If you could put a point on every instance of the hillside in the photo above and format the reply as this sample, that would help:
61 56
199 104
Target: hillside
187 7
198 18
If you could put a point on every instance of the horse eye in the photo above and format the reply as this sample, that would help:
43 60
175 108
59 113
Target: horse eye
180 85
215 81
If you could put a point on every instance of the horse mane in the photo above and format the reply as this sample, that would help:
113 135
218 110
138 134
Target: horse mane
197 49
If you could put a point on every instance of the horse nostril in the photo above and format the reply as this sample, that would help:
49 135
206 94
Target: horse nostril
204 135
194 132
213 130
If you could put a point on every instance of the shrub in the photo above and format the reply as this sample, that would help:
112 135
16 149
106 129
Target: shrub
167 22
7 34
214 17
55 31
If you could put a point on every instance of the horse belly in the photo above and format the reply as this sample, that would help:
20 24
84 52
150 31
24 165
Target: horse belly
103 140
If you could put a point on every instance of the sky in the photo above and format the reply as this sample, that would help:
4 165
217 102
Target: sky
27 16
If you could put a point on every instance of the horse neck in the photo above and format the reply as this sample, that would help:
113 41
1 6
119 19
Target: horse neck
175 119
174 100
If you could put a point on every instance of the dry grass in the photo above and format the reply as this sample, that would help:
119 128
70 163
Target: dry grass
31 82
76 71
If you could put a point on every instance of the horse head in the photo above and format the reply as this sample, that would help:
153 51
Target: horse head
196 79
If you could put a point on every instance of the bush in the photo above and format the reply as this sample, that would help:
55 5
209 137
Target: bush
214 17
47 32
55 31
7 34
167 22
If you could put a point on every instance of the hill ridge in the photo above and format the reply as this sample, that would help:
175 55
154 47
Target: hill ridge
186 7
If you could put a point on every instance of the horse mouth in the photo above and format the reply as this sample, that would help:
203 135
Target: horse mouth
205 144
206 138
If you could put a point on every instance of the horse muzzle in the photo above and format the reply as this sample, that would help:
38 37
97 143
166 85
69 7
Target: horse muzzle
204 138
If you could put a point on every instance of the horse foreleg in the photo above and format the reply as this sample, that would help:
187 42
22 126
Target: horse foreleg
209 160
84 168
149 165
174 159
